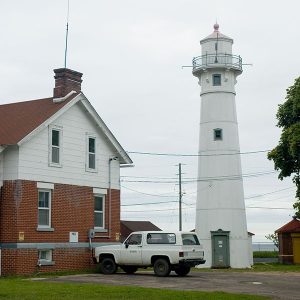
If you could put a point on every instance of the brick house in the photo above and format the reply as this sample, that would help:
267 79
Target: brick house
59 179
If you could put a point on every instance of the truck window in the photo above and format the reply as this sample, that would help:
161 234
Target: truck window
161 238
190 239
134 239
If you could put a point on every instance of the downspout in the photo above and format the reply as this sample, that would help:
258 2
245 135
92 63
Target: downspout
109 206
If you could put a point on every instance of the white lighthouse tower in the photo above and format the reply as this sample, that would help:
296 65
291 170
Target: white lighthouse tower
220 216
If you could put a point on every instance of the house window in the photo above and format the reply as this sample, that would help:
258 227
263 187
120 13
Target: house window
91 154
55 140
44 209
218 134
216 79
99 211
45 257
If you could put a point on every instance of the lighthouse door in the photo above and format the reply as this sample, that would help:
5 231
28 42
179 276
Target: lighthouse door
220 249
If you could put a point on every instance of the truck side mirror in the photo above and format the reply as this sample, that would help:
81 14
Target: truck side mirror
126 245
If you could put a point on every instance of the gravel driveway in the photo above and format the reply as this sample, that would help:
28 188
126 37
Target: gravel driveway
279 285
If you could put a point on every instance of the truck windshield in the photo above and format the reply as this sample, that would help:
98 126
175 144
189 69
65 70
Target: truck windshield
190 239
161 238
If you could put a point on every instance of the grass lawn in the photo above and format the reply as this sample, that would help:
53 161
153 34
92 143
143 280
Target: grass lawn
265 254
259 267
275 267
19 289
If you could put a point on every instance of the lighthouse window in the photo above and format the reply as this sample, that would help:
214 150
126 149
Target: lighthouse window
216 79
218 134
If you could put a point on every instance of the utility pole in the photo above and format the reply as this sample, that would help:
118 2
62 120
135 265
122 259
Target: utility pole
180 198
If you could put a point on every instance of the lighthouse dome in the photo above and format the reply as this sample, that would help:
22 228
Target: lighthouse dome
209 43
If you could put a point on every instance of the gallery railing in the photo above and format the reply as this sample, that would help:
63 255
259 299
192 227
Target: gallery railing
217 60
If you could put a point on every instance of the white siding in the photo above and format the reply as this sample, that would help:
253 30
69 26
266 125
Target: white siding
76 124
10 163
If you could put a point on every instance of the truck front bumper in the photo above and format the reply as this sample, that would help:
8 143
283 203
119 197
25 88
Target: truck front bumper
191 262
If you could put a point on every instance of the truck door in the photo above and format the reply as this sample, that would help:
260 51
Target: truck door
132 252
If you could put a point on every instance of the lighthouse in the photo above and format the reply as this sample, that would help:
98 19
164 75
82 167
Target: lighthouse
220 211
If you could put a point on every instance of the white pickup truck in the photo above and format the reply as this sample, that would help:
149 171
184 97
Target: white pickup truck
164 251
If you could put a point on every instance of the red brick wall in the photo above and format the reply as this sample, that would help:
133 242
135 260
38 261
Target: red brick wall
72 209
10 197
25 261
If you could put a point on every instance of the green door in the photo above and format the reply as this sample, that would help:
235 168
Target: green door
220 249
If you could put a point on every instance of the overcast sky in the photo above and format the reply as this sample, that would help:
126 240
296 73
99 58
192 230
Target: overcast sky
130 53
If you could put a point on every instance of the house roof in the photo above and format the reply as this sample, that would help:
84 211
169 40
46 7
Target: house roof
292 226
19 119
140 225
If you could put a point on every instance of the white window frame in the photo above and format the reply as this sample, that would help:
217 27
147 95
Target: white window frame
59 129
49 256
87 163
98 211
43 208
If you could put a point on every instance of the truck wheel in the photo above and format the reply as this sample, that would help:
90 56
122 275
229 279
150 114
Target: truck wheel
162 267
182 270
129 269
108 266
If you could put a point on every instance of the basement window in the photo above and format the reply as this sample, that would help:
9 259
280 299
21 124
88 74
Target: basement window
218 134
45 257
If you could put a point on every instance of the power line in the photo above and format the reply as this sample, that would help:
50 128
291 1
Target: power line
147 194
170 209
261 195
163 209
205 179
149 203
261 207
194 178
148 177
195 155
193 204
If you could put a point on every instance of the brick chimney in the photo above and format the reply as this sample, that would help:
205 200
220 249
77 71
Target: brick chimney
66 80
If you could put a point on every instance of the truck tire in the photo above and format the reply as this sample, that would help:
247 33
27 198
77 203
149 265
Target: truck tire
129 269
161 267
108 266
182 270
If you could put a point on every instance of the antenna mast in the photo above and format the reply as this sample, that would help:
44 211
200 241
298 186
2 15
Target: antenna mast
67 32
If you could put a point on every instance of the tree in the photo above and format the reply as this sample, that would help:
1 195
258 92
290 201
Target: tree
286 155
274 238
